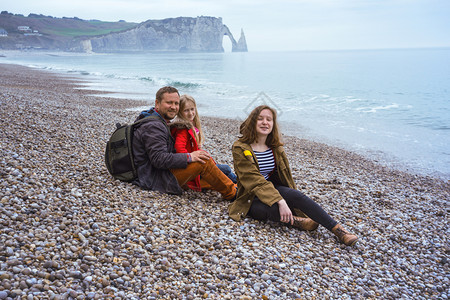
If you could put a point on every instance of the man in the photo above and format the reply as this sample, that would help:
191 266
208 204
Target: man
159 167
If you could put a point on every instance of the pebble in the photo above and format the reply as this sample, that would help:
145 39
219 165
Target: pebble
68 230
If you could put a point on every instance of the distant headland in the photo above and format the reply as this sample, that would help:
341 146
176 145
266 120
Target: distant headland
182 34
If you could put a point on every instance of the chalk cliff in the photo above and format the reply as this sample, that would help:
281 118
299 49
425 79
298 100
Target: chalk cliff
242 43
201 34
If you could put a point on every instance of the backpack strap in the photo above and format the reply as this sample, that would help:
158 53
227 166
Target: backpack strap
135 126
144 120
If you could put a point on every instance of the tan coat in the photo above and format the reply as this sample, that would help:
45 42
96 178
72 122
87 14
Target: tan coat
251 183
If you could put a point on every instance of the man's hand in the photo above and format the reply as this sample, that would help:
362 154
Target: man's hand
200 156
285 212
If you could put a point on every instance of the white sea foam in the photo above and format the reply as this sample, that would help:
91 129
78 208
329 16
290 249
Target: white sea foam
377 108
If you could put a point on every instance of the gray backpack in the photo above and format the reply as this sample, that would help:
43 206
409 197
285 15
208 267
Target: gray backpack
119 158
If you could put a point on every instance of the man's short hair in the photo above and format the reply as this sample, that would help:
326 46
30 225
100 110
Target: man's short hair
164 90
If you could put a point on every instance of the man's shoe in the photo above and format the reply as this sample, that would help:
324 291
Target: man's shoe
344 236
305 223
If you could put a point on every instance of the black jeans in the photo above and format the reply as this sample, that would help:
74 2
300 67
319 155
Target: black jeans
294 199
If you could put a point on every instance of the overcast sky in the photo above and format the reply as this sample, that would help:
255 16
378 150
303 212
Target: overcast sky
280 25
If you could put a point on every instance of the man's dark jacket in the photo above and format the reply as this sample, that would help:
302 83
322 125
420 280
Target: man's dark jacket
154 156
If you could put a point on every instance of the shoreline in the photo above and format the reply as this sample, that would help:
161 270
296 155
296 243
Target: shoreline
422 165
68 229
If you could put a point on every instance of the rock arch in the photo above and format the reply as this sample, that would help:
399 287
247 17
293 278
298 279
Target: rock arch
239 46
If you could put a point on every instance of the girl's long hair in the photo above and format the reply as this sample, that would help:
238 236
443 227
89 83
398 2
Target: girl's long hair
248 128
199 137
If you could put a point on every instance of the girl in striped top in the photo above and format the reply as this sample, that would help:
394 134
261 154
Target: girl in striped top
266 162
266 189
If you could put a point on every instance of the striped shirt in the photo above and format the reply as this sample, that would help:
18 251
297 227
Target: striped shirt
266 162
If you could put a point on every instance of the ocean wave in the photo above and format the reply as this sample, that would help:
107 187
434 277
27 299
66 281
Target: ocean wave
428 122
185 85
147 79
155 80
80 72
351 99
169 82
377 108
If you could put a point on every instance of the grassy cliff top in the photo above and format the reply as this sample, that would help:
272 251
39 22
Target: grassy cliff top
61 27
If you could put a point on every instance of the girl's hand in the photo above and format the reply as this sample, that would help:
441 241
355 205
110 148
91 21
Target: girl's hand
285 212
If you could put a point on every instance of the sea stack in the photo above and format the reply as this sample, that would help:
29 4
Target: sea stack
241 44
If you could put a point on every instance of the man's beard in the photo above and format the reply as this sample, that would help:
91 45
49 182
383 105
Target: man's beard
167 117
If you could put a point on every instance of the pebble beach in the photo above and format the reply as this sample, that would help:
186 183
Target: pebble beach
68 230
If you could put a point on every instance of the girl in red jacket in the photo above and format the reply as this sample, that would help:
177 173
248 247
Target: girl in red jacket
189 137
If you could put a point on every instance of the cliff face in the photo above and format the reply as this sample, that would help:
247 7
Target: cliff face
201 34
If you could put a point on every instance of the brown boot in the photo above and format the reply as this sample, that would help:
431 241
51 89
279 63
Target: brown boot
210 173
305 223
344 236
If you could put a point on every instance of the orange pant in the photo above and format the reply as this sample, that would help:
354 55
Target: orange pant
205 185
210 174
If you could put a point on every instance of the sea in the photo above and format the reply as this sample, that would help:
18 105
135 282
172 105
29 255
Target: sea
390 105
